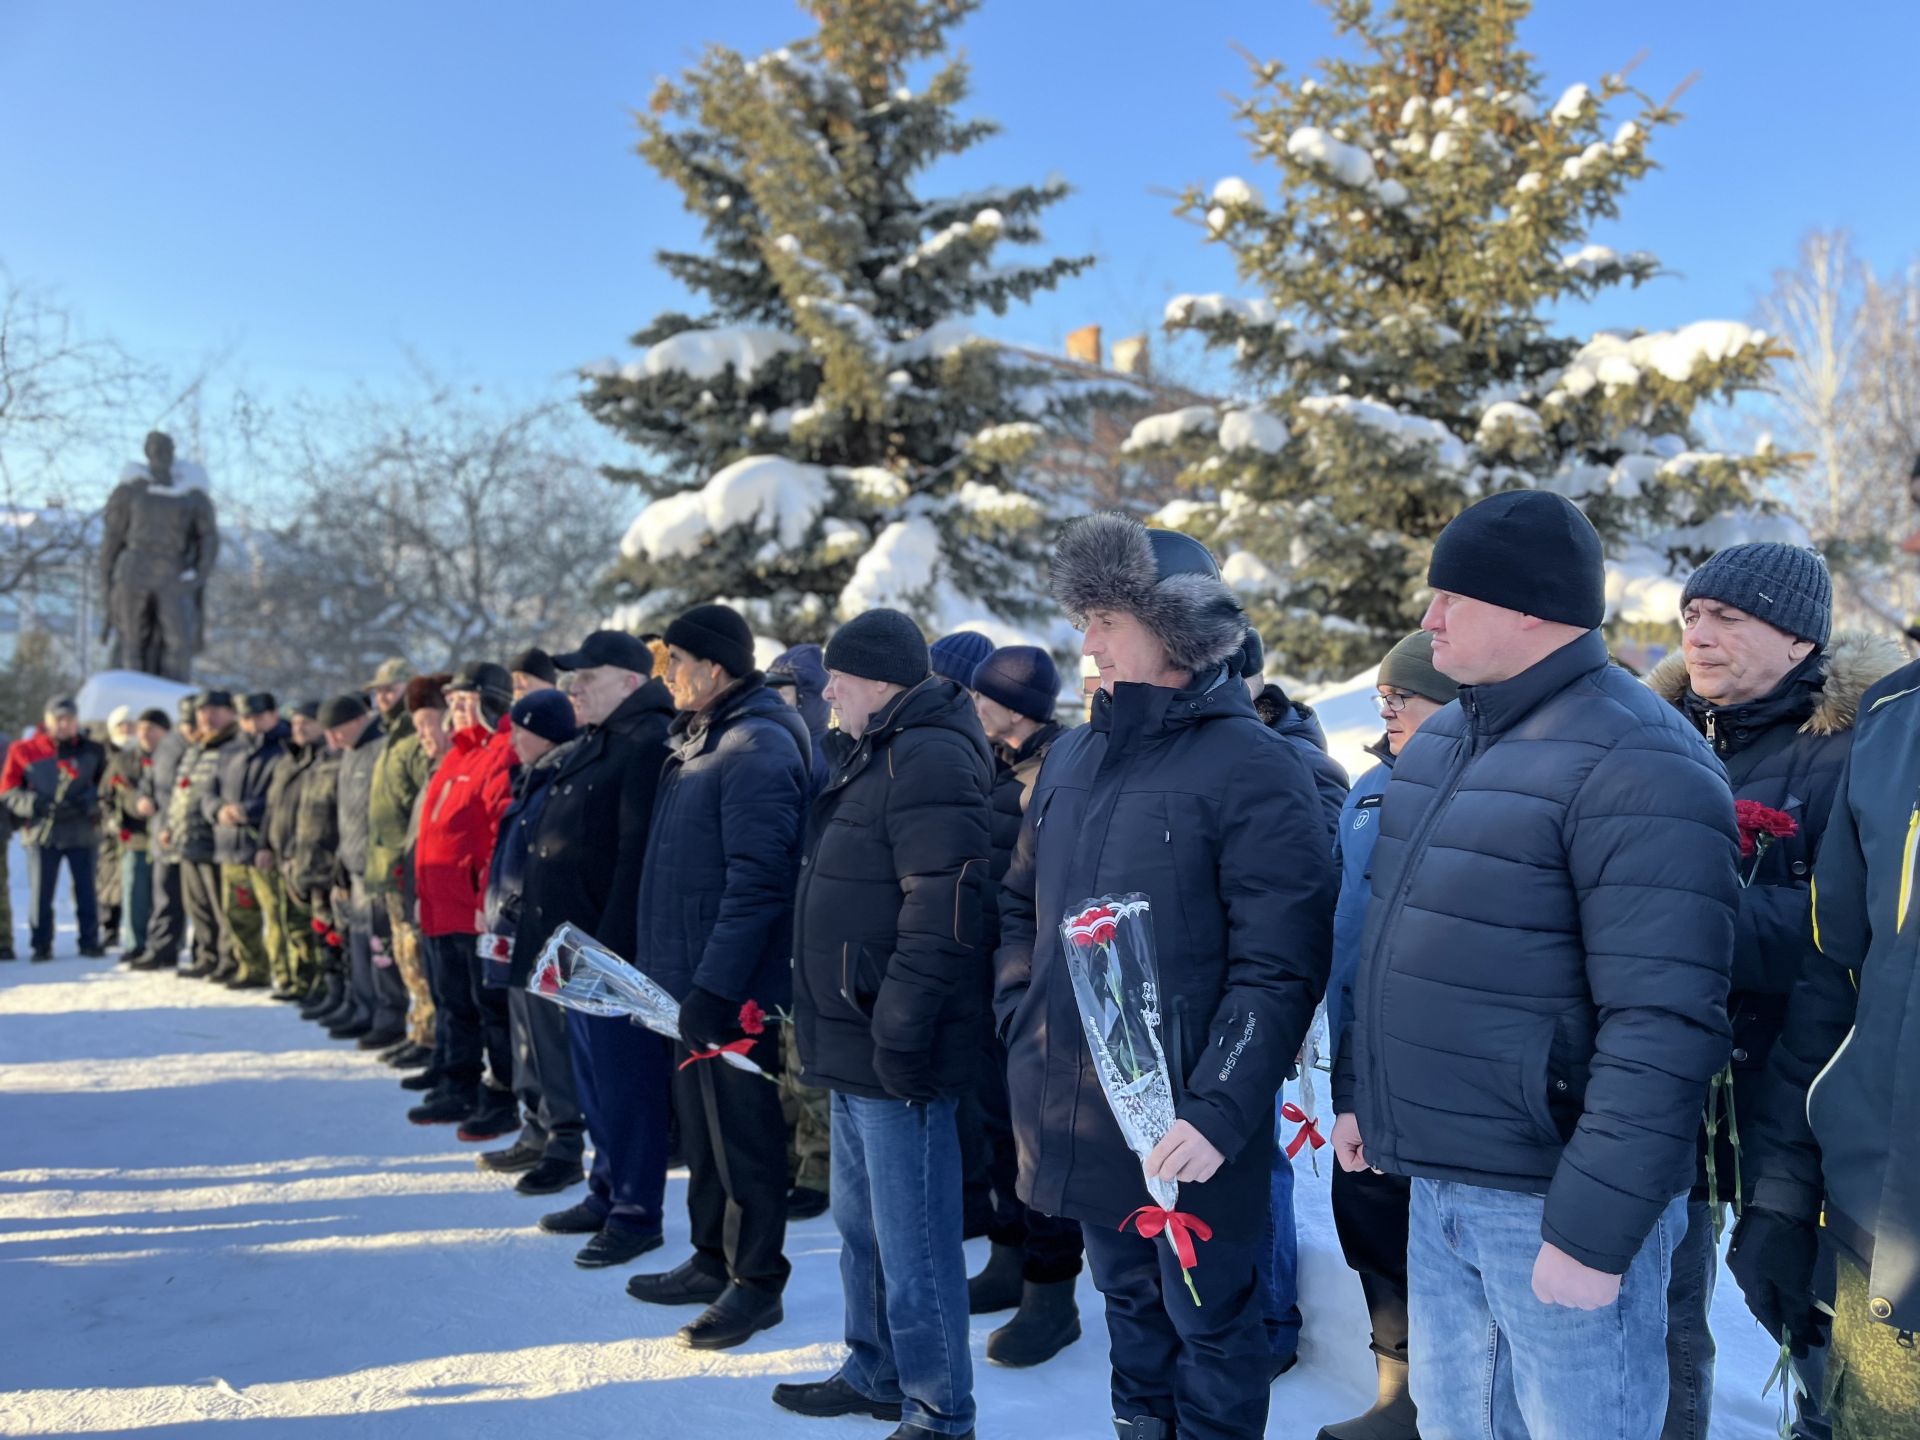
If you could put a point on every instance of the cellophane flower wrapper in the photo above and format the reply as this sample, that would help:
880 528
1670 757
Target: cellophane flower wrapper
1108 944
576 971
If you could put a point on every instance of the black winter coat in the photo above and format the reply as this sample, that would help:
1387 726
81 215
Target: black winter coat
1785 751
1014 774
507 872
157 781
1186 797
893 886
1542 989
1296 723
592 837
245 771
57 803
1847 1067
716 892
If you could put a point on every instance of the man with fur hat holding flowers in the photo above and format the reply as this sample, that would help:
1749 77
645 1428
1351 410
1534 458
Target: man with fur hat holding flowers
1177 791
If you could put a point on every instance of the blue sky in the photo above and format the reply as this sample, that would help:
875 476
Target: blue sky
314 189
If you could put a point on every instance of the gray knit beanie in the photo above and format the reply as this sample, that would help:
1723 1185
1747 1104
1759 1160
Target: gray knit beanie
1785 585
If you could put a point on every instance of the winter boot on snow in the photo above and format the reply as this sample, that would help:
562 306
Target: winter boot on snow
322 998
998 1286
448 1105
1046 1323
428 1080
497 1113
1142 1427
1392 1416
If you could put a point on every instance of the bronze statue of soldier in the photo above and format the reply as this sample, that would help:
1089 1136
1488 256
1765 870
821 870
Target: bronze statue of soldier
159 548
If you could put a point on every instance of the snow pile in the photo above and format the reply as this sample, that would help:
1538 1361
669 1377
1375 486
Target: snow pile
1590 261
1615 361
1170 428
1642 588
1197 309
1401 432
185 475
995 506
1250 430
936 342
1571 105
765 493
1250 575
899 571
986 223
1348 164
707 354
1234 191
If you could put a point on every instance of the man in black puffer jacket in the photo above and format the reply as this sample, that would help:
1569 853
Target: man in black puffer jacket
1776 697
1034 1259
52 787
886 997
1541 999
587 850
1175 790
715 928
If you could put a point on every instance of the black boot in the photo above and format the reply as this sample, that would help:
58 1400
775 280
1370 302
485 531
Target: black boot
496 1113
1046 1323
1143 1427
823 1399
920 1432
380 1038
448 1105
427 1080
322 998
998 1286
617 1247
579 1219
516 1158
735 1318
689 1283
550 1177
1392 1416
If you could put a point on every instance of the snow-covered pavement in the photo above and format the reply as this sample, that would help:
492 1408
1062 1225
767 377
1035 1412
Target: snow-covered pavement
213 1220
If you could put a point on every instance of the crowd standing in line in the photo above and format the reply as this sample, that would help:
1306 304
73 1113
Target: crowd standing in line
1606 964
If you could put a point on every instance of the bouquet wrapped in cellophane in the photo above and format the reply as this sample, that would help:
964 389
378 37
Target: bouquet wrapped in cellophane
577 971
1108 944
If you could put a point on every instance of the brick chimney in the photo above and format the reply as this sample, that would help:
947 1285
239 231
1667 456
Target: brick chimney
1083 345
1132 357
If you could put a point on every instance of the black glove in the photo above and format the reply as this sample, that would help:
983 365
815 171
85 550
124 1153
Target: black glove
707 1021
1773 1258
905 1074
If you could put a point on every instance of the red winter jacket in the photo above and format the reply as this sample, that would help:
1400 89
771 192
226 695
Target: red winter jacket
459 821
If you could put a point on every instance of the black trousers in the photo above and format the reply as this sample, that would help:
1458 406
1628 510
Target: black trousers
1051 1245
496 1024
200 887
1204 1369
543 1077
168 919
1370 1216
457 1027
735 1141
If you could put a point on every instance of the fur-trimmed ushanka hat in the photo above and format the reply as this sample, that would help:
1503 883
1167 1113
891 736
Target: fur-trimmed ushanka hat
1166 580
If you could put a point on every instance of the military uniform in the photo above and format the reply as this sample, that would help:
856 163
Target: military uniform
192 834
312 861
125 828
295 965
399 779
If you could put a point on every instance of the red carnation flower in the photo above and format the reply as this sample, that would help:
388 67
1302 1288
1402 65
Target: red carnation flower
753 1020
1757 820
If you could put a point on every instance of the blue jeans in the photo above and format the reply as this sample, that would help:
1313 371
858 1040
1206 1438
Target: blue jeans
43 875
1280 1262
1487 1360
896 1203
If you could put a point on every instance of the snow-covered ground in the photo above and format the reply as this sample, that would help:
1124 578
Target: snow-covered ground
213 1220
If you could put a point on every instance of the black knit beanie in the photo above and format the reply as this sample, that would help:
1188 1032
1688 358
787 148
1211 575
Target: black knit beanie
716 633
1021 677
1526 550
1785 585
880 645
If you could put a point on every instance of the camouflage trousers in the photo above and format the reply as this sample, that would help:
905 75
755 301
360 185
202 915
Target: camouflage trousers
413 972
1873 1370
809 1139
246 920
298 943
273 924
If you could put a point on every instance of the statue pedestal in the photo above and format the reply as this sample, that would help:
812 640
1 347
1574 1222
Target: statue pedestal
107 690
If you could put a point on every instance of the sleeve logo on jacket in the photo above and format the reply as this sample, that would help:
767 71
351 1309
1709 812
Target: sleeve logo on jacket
1246 1038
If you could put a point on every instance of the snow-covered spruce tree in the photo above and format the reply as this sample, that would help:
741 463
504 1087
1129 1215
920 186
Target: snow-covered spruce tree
829 435
1399 358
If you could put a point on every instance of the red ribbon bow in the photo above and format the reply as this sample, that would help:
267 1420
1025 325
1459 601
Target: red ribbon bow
737 1047
1308 1133
1182 1230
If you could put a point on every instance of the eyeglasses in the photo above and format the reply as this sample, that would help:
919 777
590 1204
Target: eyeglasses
1391 703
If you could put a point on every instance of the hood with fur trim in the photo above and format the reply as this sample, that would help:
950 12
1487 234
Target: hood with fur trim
1852 662
1105 562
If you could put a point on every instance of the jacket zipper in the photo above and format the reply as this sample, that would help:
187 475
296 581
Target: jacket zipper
1824 1069
1375 1003
846 984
